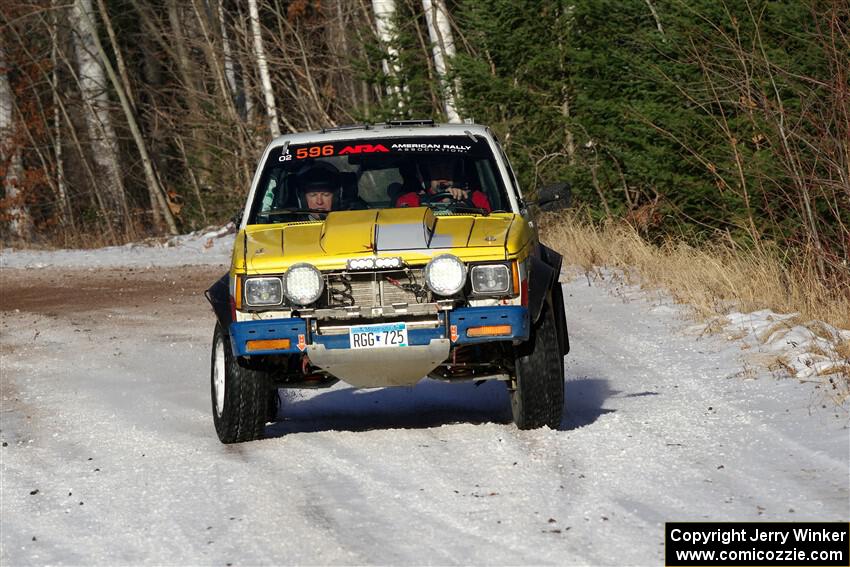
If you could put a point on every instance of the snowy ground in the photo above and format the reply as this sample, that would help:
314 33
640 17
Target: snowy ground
109 454
211 246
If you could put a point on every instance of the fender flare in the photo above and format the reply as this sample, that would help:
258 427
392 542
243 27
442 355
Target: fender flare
540 276
544 284
560 318
218 294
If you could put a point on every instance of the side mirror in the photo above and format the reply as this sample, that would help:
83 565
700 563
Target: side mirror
554 197
237 218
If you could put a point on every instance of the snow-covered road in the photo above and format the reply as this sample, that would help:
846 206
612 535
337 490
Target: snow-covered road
109 455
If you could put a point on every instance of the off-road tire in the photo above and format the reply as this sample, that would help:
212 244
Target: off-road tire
537 398
245 407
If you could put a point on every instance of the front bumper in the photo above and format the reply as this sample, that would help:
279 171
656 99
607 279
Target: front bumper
454 325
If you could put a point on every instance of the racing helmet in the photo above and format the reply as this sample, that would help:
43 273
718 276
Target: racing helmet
318 176
445 166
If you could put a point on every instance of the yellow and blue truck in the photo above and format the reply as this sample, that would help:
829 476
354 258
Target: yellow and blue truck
395 276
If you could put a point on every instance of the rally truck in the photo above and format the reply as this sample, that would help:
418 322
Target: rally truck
351 262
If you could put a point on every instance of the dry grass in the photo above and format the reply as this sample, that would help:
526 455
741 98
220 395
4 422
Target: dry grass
843 350
713 278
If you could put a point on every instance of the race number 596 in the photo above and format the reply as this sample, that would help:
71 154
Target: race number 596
314 151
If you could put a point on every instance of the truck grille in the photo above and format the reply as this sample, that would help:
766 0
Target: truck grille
375 289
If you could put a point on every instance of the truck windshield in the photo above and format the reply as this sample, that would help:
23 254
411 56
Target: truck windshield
451 174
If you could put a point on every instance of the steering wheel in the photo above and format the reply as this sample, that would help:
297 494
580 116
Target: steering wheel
437 199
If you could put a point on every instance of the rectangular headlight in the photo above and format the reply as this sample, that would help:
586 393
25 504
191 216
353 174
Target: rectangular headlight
494 280
263 291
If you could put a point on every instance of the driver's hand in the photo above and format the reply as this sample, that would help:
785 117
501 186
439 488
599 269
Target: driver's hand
458 193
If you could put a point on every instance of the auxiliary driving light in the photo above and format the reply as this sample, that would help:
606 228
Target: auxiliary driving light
303 284
374 263
445 274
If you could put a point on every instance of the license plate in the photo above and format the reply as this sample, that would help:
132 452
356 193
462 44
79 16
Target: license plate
378 336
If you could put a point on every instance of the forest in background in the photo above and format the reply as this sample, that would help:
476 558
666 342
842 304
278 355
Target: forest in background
708 120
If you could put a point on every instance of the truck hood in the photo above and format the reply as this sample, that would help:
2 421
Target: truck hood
413 233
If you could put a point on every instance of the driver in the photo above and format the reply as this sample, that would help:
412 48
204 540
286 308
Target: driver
438 178
318 189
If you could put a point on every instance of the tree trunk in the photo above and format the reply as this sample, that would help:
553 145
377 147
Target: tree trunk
384 15
229 66
437 18
262 65
433 84
10 154
95 195
119 59
66 214
243 53
101 132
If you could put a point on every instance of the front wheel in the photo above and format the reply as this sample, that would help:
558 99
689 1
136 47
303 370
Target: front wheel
537 398
240 396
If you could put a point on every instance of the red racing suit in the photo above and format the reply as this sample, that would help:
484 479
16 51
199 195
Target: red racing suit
412 199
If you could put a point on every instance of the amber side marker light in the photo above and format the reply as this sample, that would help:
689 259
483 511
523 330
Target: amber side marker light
515 274
489 331
237 293
267 344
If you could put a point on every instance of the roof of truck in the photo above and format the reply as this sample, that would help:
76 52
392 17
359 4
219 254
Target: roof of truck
393 129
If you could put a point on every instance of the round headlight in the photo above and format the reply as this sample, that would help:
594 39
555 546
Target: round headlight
303 284
445 274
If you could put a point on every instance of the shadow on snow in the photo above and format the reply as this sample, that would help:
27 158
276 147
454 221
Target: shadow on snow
428 404
583 401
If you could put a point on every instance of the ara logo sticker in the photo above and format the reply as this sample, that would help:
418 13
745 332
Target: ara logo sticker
453 333
302 344
363 149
